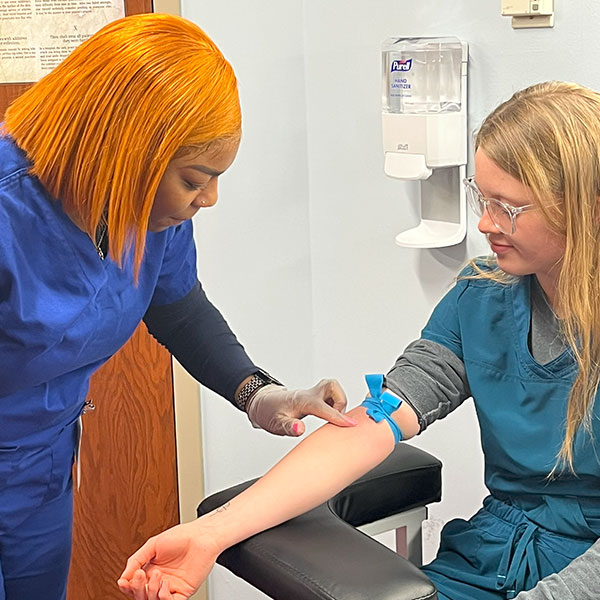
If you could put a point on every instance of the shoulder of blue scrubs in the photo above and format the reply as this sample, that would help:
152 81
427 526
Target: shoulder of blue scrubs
178 272
13 159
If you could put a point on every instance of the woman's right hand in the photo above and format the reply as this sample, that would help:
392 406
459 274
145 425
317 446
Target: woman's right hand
171 565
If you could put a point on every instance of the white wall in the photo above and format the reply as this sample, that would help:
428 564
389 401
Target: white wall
254 253
300 252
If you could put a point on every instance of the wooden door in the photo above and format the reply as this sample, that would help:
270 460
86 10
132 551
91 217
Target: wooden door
129 471
129 479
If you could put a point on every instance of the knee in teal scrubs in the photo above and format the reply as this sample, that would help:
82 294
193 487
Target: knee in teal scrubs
498 553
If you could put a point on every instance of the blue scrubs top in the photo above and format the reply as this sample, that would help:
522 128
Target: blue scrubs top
63 313
531 525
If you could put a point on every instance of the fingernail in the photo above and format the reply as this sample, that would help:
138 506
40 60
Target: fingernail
351 420
295 427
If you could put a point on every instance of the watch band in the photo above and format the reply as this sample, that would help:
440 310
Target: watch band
258 380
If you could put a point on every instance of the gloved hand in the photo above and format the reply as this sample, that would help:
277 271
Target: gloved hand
278 410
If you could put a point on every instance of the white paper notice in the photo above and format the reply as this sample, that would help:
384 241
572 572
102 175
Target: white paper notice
35 35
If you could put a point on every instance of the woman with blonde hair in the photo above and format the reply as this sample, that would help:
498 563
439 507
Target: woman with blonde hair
519 333
102 165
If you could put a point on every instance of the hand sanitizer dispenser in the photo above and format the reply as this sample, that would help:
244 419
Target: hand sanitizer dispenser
425 132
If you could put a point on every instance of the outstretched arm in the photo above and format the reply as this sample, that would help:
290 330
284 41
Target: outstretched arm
173 564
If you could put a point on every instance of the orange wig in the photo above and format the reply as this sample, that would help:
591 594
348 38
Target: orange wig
101 128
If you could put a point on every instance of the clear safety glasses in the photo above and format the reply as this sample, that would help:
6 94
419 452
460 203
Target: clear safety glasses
502 215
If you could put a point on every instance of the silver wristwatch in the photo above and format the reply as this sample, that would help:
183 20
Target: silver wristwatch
259 379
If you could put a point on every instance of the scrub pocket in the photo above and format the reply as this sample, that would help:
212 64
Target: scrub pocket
462 541
9 457
63 453
24 480
30 477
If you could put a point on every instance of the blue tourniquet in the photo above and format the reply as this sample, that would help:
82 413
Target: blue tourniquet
380 406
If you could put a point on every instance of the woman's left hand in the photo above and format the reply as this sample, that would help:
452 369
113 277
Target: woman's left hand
171 565
279 410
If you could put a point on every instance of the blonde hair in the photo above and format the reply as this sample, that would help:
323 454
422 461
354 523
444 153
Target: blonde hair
548 137
101 128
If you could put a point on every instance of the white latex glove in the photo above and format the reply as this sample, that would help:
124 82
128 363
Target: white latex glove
278 410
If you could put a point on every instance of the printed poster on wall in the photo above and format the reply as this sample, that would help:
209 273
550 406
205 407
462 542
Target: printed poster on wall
36 35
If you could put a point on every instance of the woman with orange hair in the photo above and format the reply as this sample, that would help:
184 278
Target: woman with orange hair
102 165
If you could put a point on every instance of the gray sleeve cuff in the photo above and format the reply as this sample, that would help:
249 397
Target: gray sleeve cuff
431 378
550 588
580 580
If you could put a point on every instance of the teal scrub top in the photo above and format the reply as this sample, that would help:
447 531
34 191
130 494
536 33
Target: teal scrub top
521 406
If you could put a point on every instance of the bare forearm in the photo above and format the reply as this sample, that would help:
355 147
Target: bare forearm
324 463
318 468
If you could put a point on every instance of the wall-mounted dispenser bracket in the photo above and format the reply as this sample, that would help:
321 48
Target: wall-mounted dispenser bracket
529 13
443 218
425 135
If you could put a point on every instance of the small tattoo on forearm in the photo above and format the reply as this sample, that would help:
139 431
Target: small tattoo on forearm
223 508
